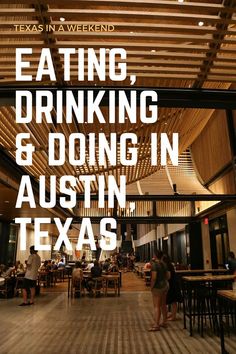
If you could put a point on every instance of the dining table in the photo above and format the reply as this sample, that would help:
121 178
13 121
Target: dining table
227 307
199 298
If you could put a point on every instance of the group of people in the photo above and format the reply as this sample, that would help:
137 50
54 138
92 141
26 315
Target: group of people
49 265
96 268
165 290
7 271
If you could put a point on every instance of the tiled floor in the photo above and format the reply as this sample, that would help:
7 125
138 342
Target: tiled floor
105 325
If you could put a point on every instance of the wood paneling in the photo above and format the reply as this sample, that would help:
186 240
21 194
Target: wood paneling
211 150
224 185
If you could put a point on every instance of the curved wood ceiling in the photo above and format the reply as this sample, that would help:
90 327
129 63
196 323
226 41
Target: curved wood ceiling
166 47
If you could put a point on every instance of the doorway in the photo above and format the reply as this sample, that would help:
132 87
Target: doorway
219 242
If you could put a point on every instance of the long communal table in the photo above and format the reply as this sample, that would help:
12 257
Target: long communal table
107 278
187 272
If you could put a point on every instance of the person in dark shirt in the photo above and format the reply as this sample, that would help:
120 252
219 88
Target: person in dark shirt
159 288
232 263
96 270
174 293
106 265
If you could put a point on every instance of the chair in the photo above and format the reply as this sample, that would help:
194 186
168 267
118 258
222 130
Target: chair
77 287
7 287
147 277
54 276
19 284
43 278
111 281
98 285
61 274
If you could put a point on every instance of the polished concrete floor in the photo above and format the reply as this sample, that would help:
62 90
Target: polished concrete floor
105 325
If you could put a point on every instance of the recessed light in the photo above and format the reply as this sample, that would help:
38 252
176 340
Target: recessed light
62 19
131 32
200 23
180 0
153 51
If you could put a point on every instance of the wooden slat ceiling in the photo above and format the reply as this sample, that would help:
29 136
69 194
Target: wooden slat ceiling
166 47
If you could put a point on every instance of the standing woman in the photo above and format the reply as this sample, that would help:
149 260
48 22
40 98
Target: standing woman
159 289
174 293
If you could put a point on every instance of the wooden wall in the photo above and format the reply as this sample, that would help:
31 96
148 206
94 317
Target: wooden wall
212 153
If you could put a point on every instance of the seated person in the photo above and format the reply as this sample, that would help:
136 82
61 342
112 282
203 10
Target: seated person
77 273
44 267
147 266
113 268
6 278
54 265
61 263
77 277
96 272
232 263
90 265
106 265
19 268
6 271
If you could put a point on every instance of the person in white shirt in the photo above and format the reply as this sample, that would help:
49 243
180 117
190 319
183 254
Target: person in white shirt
90 266
31 275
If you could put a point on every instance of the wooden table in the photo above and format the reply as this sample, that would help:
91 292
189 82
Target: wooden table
198 290
201 271
225 297
209 278
116 279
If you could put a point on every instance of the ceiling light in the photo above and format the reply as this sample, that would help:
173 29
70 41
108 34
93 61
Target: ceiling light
180 0
153 51
200 23
131 32
62 19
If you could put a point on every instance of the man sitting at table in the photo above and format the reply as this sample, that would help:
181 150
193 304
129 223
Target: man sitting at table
113 268
90 265
77 277
96 272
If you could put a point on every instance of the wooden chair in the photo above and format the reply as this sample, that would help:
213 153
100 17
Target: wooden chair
77 287
61 274
111 281
43 278
6 289
147 277
98 286
19 284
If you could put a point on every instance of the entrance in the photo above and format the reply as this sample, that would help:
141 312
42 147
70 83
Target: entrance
219 242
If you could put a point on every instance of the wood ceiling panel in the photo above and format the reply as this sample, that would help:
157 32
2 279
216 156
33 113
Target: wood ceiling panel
165 46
